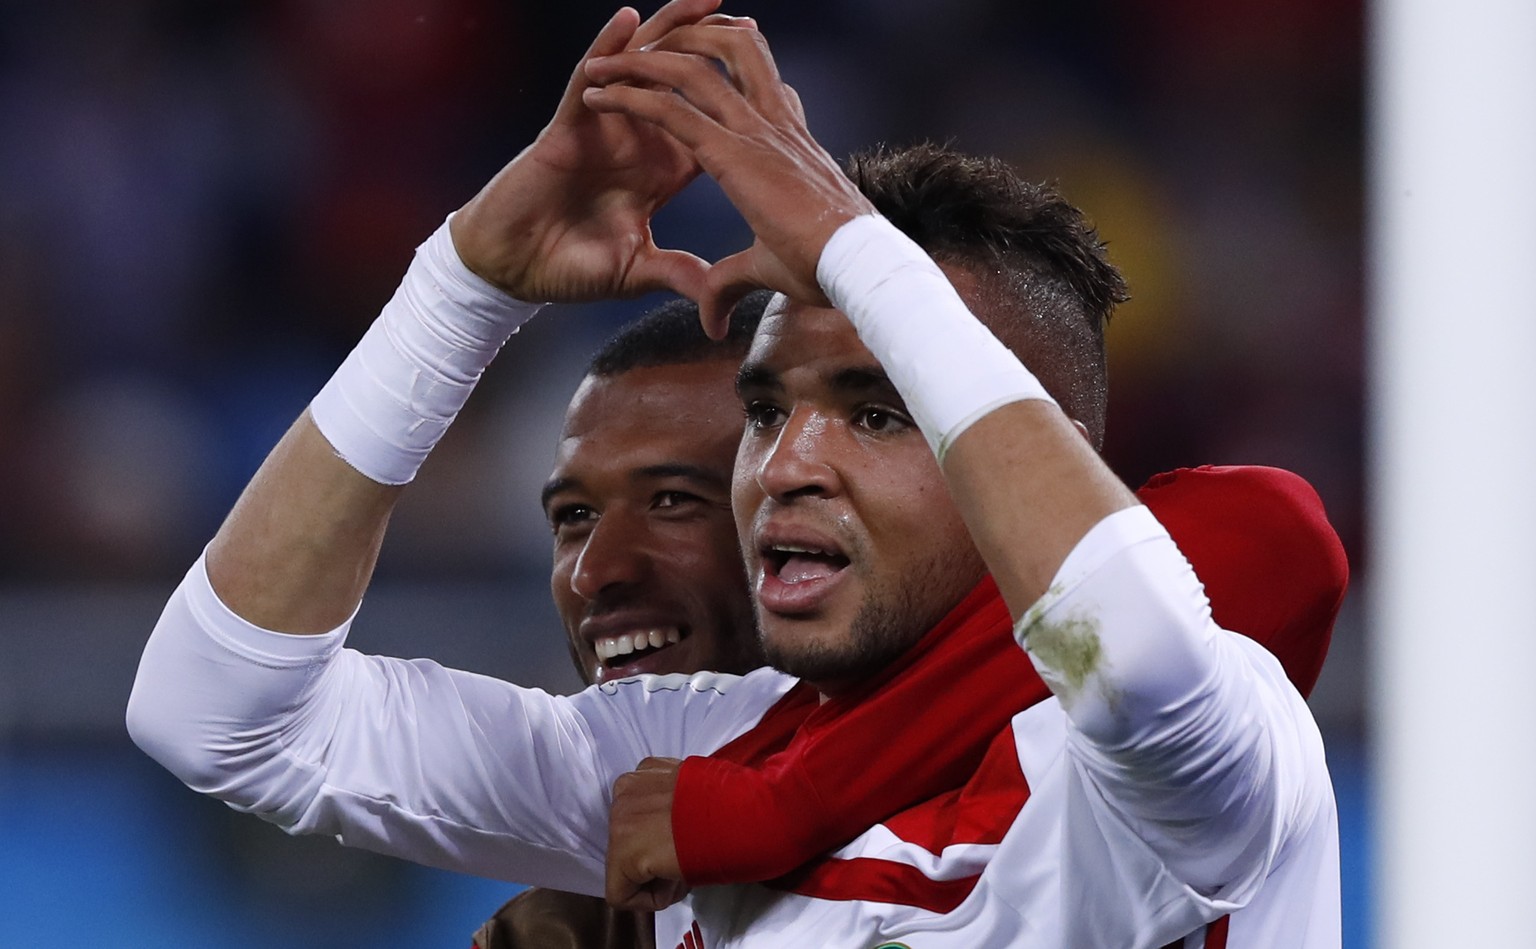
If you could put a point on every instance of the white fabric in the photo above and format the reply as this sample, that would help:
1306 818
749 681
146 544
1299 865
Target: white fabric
948 367
1221 802
395 395
1177 778
406 757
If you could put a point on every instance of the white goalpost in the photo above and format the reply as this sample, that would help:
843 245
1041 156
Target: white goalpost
1453 471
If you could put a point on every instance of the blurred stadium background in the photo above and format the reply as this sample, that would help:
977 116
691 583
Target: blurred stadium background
204 202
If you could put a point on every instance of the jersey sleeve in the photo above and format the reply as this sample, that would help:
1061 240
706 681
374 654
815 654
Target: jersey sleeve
406 757
1272 564
1186 744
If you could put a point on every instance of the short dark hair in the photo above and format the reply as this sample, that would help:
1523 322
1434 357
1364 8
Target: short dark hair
671 335
1048 279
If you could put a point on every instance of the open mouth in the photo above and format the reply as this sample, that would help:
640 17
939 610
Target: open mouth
793 564
626 648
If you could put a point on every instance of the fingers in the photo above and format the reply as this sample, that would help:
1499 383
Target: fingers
673 114
651 896
612 38
686 60
655 763
743 52
728 281
670 17
679 271
642 871
794 102
625 31
668 75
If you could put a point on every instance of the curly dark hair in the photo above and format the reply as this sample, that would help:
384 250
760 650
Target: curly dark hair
1047 287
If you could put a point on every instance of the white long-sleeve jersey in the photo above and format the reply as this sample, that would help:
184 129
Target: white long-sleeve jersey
1176 778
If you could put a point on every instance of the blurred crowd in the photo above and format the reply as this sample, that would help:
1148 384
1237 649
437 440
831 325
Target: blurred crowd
204 202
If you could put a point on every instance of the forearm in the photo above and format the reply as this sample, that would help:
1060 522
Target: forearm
1026 482
299 548
401 757
1024 471
1111 614
297 551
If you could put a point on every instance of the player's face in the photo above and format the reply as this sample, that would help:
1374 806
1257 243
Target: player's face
852 545
647 571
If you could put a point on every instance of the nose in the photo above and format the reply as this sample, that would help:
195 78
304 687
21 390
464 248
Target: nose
797 463
613 556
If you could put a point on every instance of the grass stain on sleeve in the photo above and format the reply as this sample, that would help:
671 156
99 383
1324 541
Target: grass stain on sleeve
1069 647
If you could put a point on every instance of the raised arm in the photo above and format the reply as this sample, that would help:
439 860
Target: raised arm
408 757
1162 702
747 130
567 220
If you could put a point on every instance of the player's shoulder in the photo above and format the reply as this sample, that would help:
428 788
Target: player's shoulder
701 692
679 715
718 683
1260 540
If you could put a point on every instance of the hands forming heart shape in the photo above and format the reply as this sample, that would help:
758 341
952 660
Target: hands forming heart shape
649 107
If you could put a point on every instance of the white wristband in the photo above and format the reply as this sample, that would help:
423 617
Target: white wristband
395 395
948 367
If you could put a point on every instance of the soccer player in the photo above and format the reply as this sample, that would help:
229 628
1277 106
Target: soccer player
1187 776
647 573
463 771
667 550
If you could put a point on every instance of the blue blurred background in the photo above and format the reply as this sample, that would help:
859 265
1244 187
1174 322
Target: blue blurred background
204 202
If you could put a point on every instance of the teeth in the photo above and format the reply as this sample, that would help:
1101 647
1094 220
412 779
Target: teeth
624 644
792 549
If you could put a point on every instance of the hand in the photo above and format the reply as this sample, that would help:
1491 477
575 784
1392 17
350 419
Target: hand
643 872
568 220
746 129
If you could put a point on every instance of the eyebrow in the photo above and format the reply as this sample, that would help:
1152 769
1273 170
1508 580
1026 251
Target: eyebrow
755 375
854 379
862 379
695 473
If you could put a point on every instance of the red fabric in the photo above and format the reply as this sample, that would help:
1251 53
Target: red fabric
1261 543
981 812
746 816
810 778
1215 936
877 881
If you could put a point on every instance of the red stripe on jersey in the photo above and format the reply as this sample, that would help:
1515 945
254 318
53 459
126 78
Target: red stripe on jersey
877 881
980 812
1216 933
1215 936
774 730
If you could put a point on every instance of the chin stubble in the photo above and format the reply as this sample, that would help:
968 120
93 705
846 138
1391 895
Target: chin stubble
885 626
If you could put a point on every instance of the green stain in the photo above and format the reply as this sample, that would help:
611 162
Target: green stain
1069 647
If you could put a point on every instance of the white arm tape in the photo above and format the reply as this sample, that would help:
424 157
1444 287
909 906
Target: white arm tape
395 395
948 367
